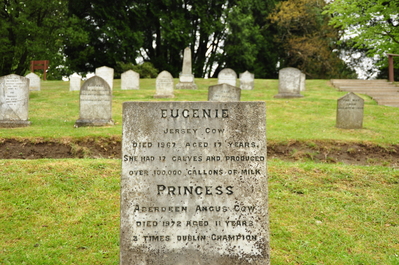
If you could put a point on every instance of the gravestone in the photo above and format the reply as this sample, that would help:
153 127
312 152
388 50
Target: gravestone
164 85
95 103
224 92
194 184
247 81
14 100
106 73
34 82
350 110
227 76
289 83
74 82
303 82
130 80
186 78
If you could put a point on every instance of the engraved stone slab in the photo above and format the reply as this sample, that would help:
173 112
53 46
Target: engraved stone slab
186 78
224 92
74 82
14 99
95 103
34 82
350 110
289 84
130 80
106 73
247 81
303 82
227 76
194 184
164 85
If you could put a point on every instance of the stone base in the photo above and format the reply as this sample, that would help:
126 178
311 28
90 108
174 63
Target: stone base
93 123
14 124
186 85
288 96
164 96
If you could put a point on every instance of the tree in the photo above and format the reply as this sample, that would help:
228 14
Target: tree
372 26
306 39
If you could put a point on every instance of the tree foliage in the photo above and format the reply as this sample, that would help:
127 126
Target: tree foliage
306 39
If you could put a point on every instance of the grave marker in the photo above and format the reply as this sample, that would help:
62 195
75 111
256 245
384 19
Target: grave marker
194 184
227 76
106 73
247 81
186 78
350 110
303 82
95 103
130 80
34 82
164 85
74 82
289 83
14 100
224 92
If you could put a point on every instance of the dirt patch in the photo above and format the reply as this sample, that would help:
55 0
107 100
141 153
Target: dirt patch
319 151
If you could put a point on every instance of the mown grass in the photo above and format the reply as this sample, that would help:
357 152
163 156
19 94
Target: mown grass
67 212
54 110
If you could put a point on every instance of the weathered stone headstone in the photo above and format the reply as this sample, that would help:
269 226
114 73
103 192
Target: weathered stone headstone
247 81
74 82
95 103
227 76
14 100
106 73
350 110
289 84
303 82
130 80
186 78
194 184
164 85
224 93
34 82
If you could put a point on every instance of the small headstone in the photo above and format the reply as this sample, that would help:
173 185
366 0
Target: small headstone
34 82
74 82
14 100
247 81
350 110
227 76
224 93
106 73
130 80
186 78
289 83
95 103
194 184
303 82
164 85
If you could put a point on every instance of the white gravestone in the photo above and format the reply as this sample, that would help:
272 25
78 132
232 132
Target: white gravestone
106 73
303 82
34 82
95 105
14 100
227 76
224 92
289 83
130 80
247 81
164 85
74 82
194 184
350 110
186 78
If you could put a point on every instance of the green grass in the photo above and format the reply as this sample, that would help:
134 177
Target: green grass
67 212
54 110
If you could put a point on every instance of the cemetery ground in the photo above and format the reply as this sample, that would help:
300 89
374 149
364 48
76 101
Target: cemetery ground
333 193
